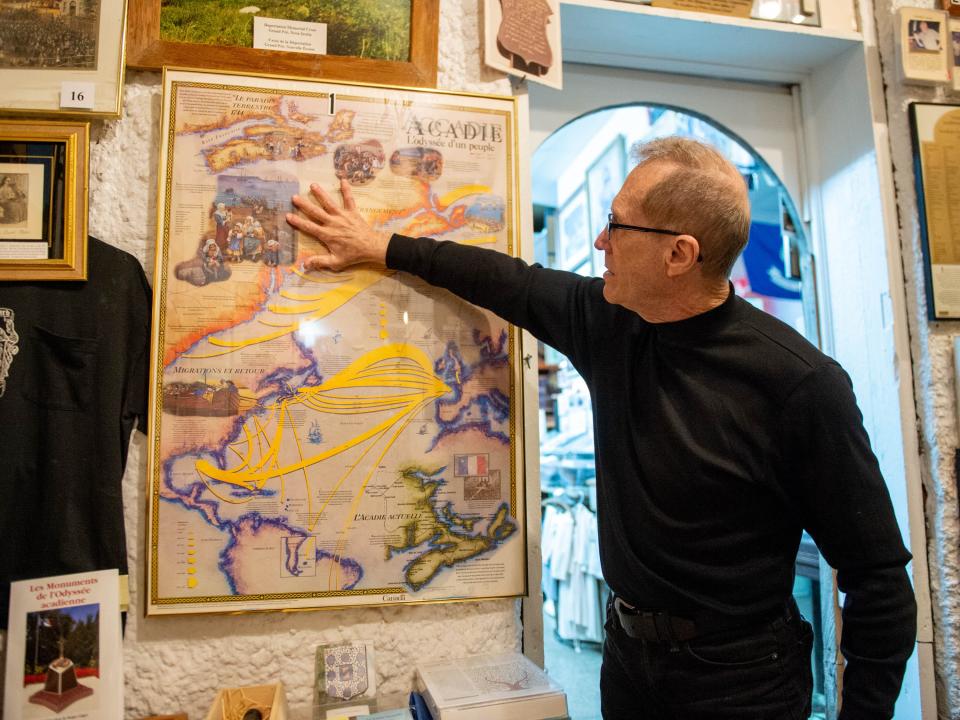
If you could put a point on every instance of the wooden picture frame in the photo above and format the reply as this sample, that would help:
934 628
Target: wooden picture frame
87 82
146 50
43 199
935 132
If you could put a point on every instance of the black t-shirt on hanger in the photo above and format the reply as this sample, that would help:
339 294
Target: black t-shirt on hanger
74 365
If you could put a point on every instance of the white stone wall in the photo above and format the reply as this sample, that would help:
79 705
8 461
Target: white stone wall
932 354
178 664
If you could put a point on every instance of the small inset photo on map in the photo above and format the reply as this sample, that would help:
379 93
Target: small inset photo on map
482 487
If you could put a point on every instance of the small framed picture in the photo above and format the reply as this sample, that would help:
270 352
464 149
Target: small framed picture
63 57
923 46
573 231
43 200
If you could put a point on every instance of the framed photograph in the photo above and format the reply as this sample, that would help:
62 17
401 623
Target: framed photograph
935 130
573 231
393 44
309 448
63 57
43 200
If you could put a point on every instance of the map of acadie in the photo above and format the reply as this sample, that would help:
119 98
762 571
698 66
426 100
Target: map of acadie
329 438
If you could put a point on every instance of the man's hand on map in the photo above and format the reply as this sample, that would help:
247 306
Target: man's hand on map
344 232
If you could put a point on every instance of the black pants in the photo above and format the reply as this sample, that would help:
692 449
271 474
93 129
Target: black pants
758 673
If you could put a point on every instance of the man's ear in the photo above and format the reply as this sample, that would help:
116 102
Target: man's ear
684 251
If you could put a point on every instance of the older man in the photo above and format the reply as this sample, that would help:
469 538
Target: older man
721 434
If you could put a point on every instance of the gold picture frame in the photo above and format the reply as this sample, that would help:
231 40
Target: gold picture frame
43 199
83 80
148 51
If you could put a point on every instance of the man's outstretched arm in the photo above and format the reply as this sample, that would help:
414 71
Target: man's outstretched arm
553 305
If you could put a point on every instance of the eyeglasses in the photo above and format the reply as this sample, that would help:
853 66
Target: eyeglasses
611 225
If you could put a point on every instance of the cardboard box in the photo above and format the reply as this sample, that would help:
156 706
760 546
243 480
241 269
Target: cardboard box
232 703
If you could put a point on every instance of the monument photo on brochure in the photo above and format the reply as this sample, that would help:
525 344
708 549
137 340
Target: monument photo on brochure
64 648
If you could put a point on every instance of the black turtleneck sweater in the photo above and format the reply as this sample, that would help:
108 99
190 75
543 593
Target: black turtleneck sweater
718 439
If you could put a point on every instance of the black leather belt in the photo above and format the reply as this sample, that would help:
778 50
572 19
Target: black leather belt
661 627
654 626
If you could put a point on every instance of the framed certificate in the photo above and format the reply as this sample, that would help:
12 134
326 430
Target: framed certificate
43 200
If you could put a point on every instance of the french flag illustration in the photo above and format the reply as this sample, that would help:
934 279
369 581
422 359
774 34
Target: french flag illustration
470 464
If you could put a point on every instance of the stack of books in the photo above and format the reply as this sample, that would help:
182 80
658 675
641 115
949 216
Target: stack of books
490 687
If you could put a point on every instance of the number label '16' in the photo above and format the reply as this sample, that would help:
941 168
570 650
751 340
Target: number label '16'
78 95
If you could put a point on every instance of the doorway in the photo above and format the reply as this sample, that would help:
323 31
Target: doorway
583 137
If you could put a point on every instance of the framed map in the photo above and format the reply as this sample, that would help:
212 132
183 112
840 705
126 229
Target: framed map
62 56
376 41
324 439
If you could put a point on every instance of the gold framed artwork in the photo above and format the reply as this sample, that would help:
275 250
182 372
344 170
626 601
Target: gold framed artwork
64 57
395 43
43 199
329 439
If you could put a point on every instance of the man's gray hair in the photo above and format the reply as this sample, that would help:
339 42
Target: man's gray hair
704 196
